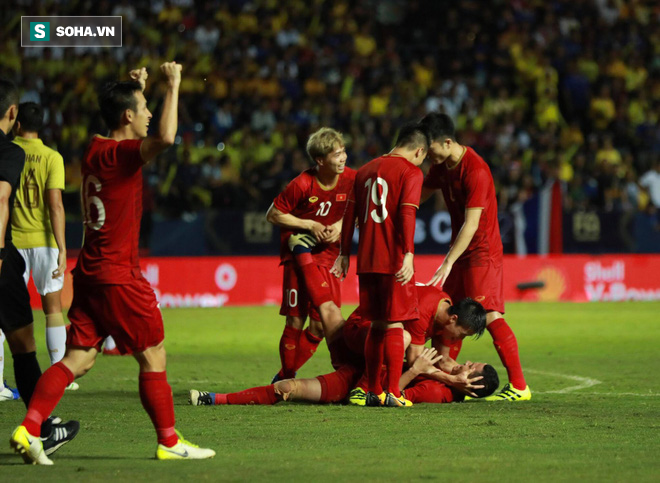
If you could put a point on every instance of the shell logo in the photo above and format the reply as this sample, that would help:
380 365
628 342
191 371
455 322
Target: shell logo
555 284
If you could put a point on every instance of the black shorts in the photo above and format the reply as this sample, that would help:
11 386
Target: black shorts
15 310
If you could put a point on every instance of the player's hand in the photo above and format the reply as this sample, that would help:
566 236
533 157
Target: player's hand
340 267
426 361
172 71
405 274
317 229
0 266
462 381
441 274
140 75
61 264
331 234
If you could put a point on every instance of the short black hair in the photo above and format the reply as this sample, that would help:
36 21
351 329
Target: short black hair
471 315
31 116
115 98
438 126
9 96
490 381
412 136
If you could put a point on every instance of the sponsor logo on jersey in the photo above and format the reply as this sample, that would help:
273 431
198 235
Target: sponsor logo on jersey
480 298
341 197
313 199
325 284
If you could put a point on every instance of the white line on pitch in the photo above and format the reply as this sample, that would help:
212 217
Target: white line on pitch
585 382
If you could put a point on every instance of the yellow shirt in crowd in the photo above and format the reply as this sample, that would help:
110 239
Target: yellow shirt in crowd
44 170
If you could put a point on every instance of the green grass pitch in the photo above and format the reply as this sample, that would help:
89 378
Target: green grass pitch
594 416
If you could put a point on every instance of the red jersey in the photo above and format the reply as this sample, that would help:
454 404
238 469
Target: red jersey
425 390
381 187
112 210
470 185
305 198
422 328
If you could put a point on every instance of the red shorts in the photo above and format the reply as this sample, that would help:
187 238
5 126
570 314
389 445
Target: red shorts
296 301
336 385
483 284
383 298
129 313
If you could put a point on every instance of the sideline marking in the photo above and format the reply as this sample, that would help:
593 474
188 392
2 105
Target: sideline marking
585 382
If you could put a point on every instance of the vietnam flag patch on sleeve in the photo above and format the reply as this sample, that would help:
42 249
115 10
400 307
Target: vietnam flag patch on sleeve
341 197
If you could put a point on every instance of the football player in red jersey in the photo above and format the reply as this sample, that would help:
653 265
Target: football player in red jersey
386 197
111 297
440 321
309 213
473 266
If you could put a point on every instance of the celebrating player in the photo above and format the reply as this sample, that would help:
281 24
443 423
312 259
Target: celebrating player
309 212
473 266
386 197
111 297
38 224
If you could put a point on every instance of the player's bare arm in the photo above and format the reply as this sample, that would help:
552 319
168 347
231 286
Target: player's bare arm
465 235
405 274
447 364
413 352
287 220
56 213
152 146
425 363
5 193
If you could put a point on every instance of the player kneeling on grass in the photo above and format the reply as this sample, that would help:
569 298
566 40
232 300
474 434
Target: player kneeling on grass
334 387
111 297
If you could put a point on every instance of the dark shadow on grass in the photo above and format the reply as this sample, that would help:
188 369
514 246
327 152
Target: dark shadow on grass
16 460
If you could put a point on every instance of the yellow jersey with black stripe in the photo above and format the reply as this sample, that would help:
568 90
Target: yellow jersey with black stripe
30 219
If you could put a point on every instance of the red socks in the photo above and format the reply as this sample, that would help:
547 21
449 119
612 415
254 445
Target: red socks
156 397
307 345
507 347
394 352
288 351
374 348
47 393
257 395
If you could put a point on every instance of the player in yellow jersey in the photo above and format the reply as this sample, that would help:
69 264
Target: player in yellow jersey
38 223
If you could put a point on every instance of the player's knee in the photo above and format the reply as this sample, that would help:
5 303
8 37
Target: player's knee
286 389
295 322
406 338
21 341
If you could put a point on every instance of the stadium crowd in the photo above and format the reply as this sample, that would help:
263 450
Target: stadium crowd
541 89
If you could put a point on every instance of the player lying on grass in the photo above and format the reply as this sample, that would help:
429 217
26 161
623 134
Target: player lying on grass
446 325
439 321
110 295
334 387
309 213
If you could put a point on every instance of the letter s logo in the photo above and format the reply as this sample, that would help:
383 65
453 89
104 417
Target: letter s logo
39 31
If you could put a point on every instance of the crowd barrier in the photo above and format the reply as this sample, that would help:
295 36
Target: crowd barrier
219 281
